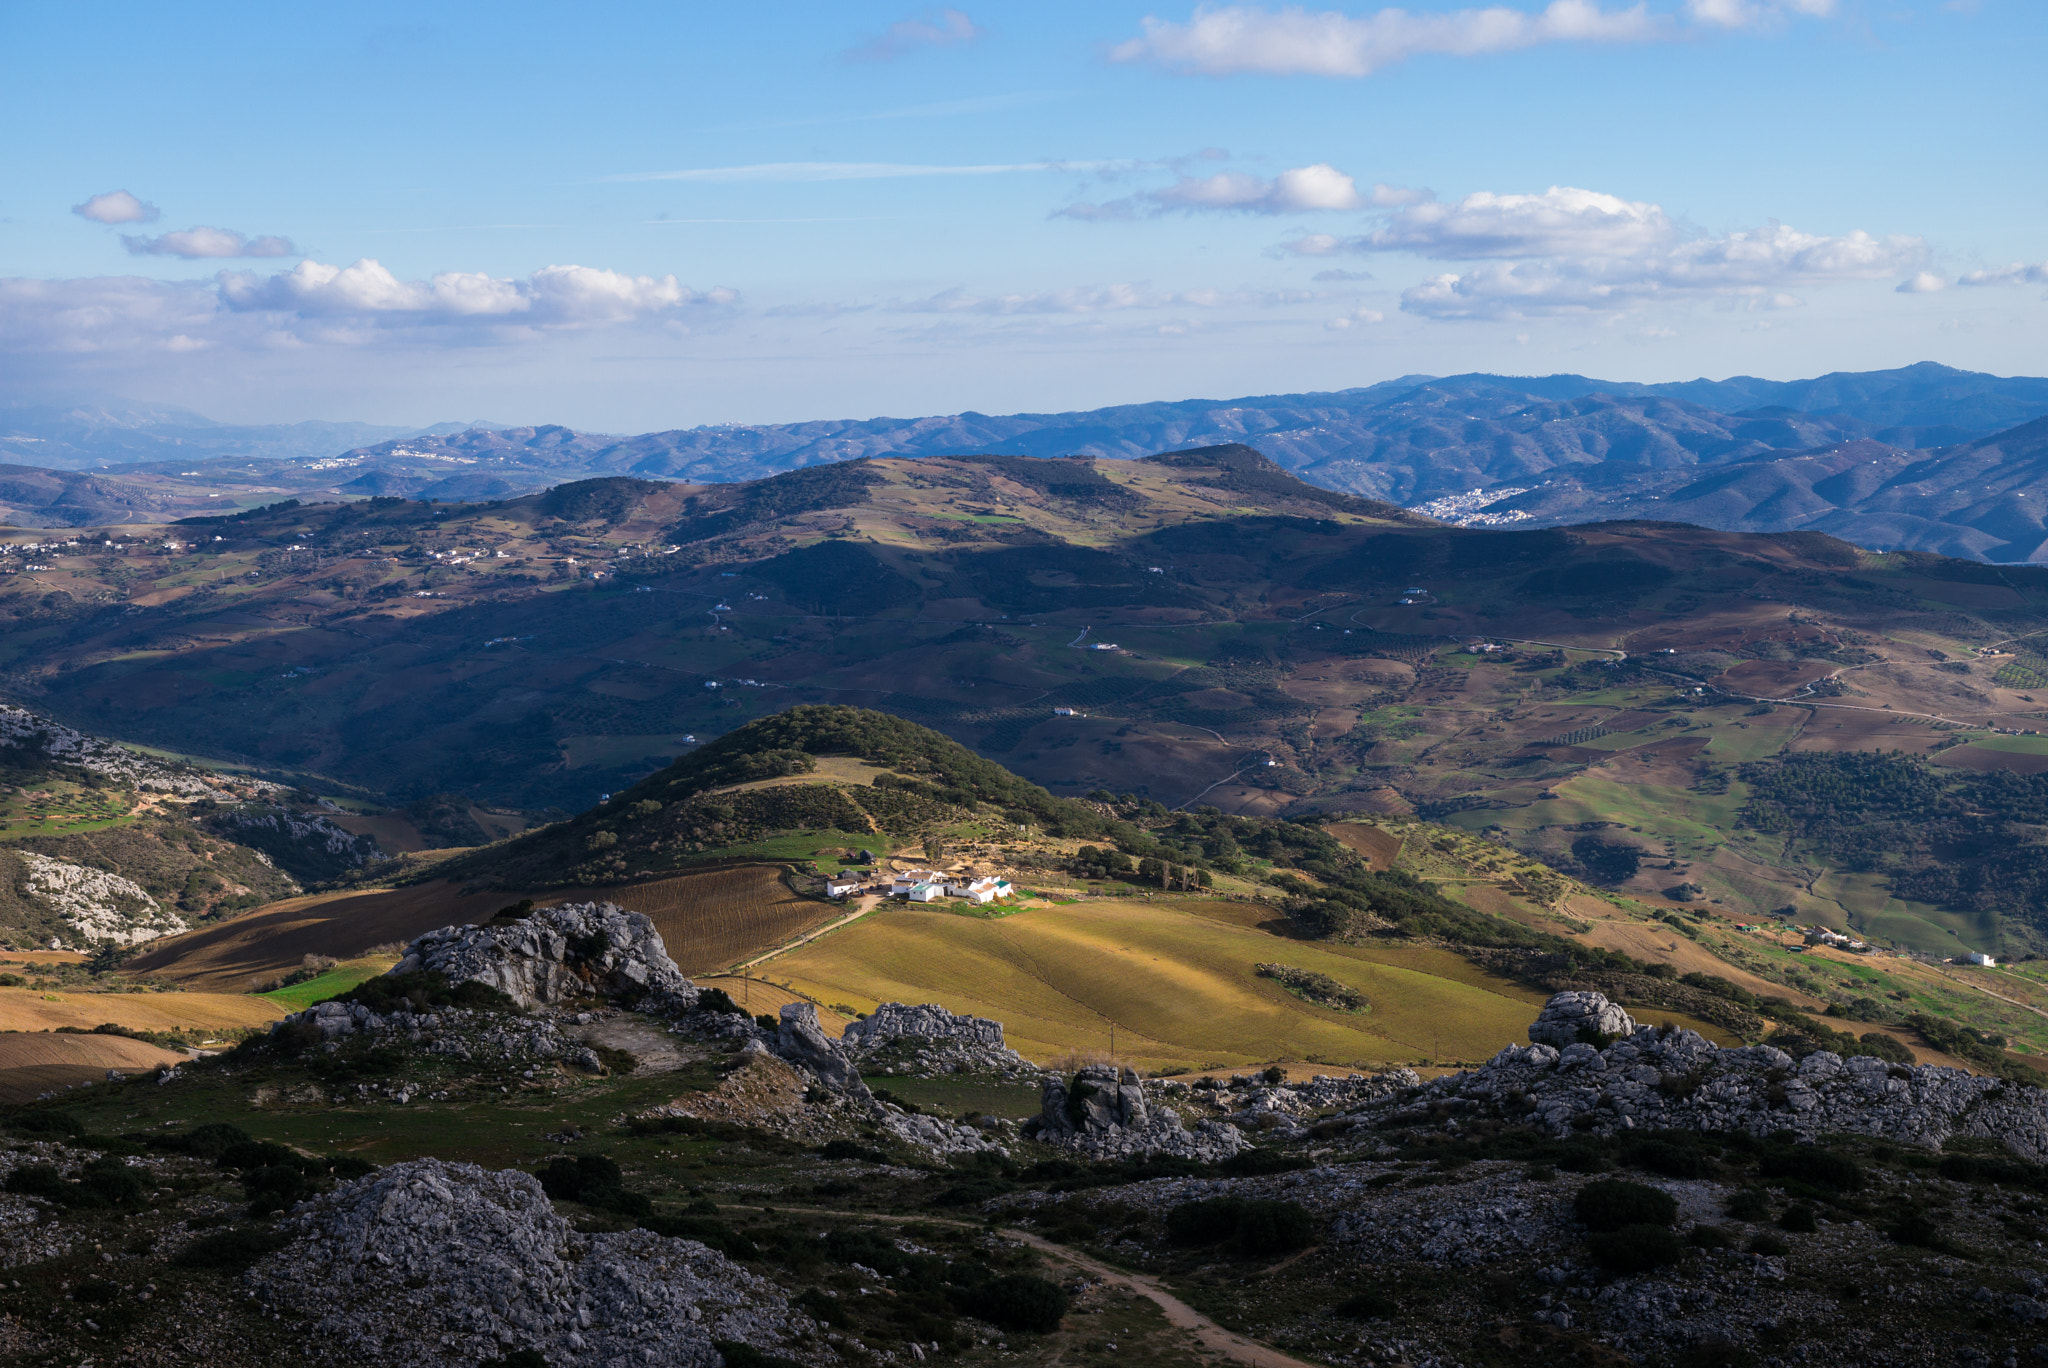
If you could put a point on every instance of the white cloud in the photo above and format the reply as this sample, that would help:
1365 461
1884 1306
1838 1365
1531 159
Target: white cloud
1560 221
1298 190
202 242
1741 14
116 206
1357 316
1923 282
2018 273
946 28
1754 269
847 171
1095 299
554 296
1232 39
1338 274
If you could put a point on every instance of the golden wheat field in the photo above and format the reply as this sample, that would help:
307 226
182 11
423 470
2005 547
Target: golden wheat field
1179 986
30 1009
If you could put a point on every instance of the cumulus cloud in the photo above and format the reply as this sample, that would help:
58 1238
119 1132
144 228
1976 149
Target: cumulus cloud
2018 273
945 28
554 296
116 206
1300 189
1233 39
1094 299
1560 221
1356 317
1743 14
1923 282
202 242
1756 269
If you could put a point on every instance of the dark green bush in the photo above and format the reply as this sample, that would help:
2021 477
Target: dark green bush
46 1123
1019 1302
1800 1220
594 1181
1749 1204
517 1358
1253 1163
850 1149
255 1154
1635 1248
705 1230
1366 1305
1611 1204
1710 1237
1253 1227
104 1182
1806 1164
1878 1045
230 1250
1916 1228
209 1141
718 1000
1767 1244
1671 1158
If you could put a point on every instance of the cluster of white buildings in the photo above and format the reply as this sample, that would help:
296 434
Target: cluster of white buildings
924 886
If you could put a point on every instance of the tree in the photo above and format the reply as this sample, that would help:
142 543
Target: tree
934 848
107 956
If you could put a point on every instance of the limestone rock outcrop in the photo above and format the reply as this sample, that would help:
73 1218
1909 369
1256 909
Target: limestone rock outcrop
427 1262
927 1041
802 1041
556 953
1569 1018
1105 1114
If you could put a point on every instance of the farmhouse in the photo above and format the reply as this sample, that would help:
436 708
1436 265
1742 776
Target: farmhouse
905 881
981 889
840 885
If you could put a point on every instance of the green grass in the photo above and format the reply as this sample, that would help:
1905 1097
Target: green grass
797 845
2012 745
333 983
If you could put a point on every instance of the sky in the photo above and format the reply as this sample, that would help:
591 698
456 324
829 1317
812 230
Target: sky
633 216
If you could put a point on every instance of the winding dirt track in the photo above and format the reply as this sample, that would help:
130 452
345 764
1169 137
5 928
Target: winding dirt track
1178 1313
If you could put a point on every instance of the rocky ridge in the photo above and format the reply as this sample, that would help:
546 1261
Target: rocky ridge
927 1041
101 907
432 1262
1103 1113
66 746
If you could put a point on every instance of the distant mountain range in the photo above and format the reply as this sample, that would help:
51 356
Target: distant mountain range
1925 456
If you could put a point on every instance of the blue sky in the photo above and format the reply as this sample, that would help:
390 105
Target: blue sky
631 216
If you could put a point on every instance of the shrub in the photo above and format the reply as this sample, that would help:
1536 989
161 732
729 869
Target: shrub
1799 1219
850 1149
1366 1305
1254 1227
1749 1204
1671 1158
1916 1228
1612 1204
738 1355
105 1182
1635 1248
718 1000
1820 1167
1710 1237
1019 1302
705 1230
594 1181
1253 1163
231 1250
518 1358
1878 1045
209 1141
47 1123
1768 1245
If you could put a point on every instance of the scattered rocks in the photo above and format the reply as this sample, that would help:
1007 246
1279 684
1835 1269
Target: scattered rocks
1679 1080
1569 1018
101 907
430 1262
576 950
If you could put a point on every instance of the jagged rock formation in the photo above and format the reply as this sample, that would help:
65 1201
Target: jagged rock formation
927 1040
801 1040
313 833
1104 1113
449 1032
428 1262
100 906
557 953
1285 1109
1569 1018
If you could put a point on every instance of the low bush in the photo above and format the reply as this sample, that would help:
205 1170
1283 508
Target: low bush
1612 1204
1253 1163
595 1182
231 1250
1671 1158
1710 1237
1768 1245
1252 1227
1800 1220
1748 1204
104 1182
1366 1305
1635 1248
1020 1302
705 1230
1807 1164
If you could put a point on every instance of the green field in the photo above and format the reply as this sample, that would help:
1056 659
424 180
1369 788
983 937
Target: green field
333 983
